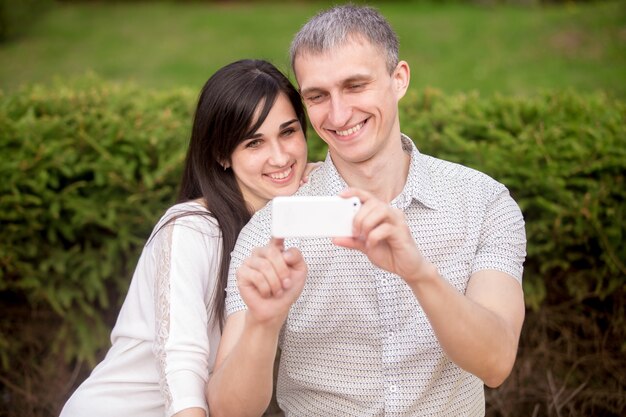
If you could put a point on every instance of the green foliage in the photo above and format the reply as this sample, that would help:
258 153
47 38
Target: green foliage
455 46
563 157
16 16
86 172
89 167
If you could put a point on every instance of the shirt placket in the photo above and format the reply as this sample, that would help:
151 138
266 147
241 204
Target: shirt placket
386 287
389 301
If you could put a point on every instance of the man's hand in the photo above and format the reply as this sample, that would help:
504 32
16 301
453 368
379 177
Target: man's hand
382 234
270 281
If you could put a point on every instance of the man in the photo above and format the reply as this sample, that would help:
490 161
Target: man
417 312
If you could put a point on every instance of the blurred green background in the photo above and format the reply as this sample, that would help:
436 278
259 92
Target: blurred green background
513 47
572 352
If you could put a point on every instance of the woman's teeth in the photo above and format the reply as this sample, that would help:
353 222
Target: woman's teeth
281 175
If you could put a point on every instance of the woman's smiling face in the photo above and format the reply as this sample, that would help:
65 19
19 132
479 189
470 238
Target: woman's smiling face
272 161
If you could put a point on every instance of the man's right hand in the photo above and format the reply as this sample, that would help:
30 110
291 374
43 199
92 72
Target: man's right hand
270 281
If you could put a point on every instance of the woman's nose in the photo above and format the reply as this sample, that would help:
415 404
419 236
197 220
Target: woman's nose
278 155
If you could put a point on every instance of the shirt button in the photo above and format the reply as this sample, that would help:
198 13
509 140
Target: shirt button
393 388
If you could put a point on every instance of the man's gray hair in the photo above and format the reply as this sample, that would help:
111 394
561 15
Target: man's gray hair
331 28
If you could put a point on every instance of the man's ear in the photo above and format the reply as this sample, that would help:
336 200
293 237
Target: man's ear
401 77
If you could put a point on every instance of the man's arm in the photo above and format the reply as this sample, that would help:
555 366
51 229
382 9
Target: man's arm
270 281
478 330
241 384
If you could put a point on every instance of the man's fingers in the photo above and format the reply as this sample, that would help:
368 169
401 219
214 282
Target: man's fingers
364 196
294 259
247 276
349 243
270 272
277 242
270 269
378 235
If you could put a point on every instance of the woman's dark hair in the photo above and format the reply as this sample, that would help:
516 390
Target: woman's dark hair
224 117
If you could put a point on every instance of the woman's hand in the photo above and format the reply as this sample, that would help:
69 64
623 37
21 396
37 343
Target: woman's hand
310 167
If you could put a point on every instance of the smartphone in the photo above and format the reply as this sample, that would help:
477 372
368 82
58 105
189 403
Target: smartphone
313 216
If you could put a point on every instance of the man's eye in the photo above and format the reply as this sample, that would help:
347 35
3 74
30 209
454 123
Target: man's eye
288 132
355 86
315 98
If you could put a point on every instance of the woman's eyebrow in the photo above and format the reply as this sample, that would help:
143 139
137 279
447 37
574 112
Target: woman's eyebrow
282 126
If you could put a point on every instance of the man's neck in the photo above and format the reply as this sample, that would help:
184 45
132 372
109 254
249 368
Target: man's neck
383 175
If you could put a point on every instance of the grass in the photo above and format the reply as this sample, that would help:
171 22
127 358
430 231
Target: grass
451 47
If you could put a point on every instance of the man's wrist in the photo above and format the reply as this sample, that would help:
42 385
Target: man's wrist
263 328
425 274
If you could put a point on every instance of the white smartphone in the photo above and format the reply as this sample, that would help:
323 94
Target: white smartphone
313 216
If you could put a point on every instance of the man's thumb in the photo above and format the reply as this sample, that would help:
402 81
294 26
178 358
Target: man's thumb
293 258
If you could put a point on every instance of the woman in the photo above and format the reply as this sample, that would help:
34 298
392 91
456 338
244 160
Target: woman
248 145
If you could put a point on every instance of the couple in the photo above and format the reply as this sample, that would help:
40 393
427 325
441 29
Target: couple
410 317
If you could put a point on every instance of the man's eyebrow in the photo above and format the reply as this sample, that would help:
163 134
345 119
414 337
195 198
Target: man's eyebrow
310 90
357 77
351 79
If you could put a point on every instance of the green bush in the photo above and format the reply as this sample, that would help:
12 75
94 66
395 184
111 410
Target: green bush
89 167
17 16
563 157
86 170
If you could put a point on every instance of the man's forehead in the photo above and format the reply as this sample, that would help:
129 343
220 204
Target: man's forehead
310 63
326 49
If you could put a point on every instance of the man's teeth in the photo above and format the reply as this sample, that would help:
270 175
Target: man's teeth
281 175
350 131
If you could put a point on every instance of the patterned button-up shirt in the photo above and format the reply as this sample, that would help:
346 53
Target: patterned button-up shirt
357 342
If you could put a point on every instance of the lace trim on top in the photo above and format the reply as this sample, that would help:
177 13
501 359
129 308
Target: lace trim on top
162 253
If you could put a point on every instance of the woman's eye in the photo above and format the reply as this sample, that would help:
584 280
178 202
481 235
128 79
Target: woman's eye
288 132
255 143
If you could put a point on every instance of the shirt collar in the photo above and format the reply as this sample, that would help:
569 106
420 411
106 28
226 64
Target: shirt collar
419 185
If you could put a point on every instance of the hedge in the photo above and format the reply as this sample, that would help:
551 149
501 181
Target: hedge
16 17
88 167
86 170
563 157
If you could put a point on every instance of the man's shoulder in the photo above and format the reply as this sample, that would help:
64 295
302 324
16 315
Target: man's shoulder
454 174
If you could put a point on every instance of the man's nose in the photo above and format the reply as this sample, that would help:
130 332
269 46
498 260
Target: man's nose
340 111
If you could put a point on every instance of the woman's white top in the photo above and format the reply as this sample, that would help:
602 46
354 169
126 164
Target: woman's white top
163 346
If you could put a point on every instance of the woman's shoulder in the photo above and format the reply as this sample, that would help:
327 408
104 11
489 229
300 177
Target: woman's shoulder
191 207
190 216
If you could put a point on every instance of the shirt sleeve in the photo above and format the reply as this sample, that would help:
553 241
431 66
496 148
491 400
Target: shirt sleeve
503 237
255 234
186 256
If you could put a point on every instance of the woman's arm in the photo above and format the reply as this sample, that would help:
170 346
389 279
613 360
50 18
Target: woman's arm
185 257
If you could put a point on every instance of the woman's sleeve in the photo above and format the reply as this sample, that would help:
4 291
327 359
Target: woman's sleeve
186 254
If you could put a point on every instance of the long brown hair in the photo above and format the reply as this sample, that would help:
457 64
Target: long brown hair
224 118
